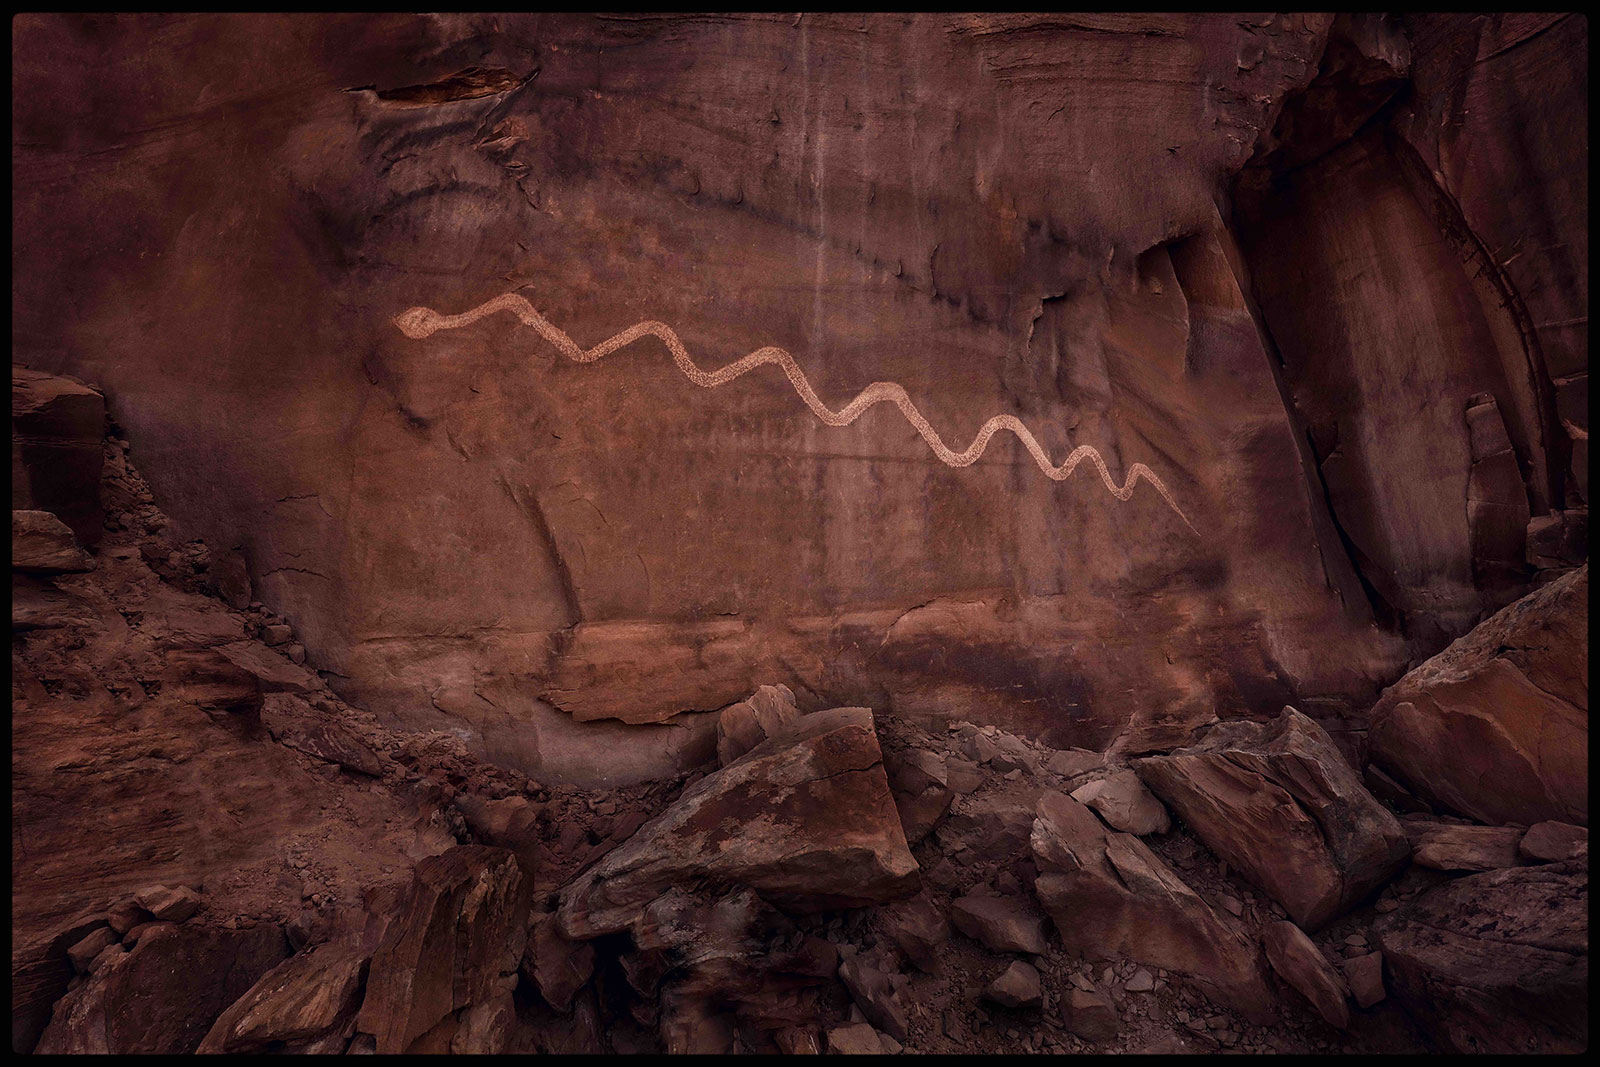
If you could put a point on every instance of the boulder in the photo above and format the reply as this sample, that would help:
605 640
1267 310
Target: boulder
1278 802
459 933
1089 1015
43 544
996 825
873 993
1496 962
1552 842
798 1040
485 1028
768 712
1109 895
276 672
1003 924
1017 987
857 1039
40 972
807 822
307 999
1364 975
1496 726
1299 963
125 915
169 905
1125 804
918 928
164 995
559 967
919 781
1071 762
1449 847
91 945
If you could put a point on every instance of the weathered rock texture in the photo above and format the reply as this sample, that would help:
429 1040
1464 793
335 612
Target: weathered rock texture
805 820
1004 214
1497 962
1496 727
1304 297
456 943
1279 802
1110 895
1298 962
162 996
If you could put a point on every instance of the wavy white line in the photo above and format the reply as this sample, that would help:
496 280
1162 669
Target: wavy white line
420 322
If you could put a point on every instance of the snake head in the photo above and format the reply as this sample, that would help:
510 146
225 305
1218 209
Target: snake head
417 323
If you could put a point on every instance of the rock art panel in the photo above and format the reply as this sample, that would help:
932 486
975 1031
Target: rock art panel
636 547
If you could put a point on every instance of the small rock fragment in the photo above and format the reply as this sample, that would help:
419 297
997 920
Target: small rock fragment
1017 987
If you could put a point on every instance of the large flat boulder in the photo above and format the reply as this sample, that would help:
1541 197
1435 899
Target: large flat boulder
1109 895
1496 962
1446 847
1278 802
807 821
307 1003
1496 727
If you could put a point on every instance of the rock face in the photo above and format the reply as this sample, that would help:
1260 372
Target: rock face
1085 283
1497 962
1231 360
806 821
1496 726
1298 962
455 943
1279 802
1110 895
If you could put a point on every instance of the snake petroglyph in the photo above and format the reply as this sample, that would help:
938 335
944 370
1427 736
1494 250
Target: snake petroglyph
420 322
